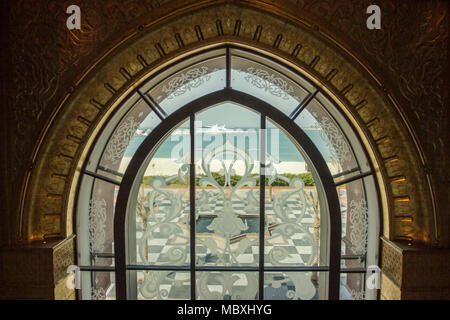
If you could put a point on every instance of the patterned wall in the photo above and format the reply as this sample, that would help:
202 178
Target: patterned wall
47 61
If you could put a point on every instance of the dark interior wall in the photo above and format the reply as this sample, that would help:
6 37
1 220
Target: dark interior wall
5 115
43 60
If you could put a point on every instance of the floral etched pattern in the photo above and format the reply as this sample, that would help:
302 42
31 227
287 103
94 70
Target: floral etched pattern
192 78
120 140
300 285
334 139
227 224
155 285
269 82
97 225
218 286
358 226
226 239
357 294
98 294
162 216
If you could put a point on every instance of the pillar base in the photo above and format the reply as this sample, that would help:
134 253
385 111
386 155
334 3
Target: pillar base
37 270
414 272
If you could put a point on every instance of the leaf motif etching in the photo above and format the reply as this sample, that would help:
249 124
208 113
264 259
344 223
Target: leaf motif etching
358 226
269 82
97 225
186 81
335 140
120 140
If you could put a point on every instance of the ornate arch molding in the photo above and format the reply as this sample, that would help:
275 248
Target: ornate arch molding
406 199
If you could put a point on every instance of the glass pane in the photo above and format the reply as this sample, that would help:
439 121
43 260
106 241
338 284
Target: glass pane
189 84
101 222
227 195
127 137
347 130
227 285
98 285
354 221
352 286
328 137
266 84
163 285
292 208
162 208
292 285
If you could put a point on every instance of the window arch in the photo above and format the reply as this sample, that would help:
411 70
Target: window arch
342 203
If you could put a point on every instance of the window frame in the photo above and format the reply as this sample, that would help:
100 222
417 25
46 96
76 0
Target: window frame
209 99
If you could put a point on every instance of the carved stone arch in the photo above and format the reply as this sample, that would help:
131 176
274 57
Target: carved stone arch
406 196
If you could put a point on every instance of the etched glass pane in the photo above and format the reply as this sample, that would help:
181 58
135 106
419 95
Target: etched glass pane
354 215
266 84
101 222
292 285
227 285
189 84
292 211
227 195
163 285
162 208
127 137
328 137
98 285
95 221
346 128
352 286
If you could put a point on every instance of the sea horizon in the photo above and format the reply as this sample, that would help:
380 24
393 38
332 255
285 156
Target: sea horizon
287 152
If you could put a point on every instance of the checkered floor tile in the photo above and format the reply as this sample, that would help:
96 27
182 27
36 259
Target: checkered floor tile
294 248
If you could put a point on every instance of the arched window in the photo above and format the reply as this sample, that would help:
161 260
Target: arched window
227 175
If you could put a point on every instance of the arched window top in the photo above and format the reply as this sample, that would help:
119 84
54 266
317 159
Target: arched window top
303 112
250 73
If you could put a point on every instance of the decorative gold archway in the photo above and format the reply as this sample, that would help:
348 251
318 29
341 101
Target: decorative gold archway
47 209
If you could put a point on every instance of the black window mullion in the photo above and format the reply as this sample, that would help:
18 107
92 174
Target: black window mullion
114 172
238 268
228 69
192 204
262 196
303 105
100 177
354 178
343 173
150 104
156 105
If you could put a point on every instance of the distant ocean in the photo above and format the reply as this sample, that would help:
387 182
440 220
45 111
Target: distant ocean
286 150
